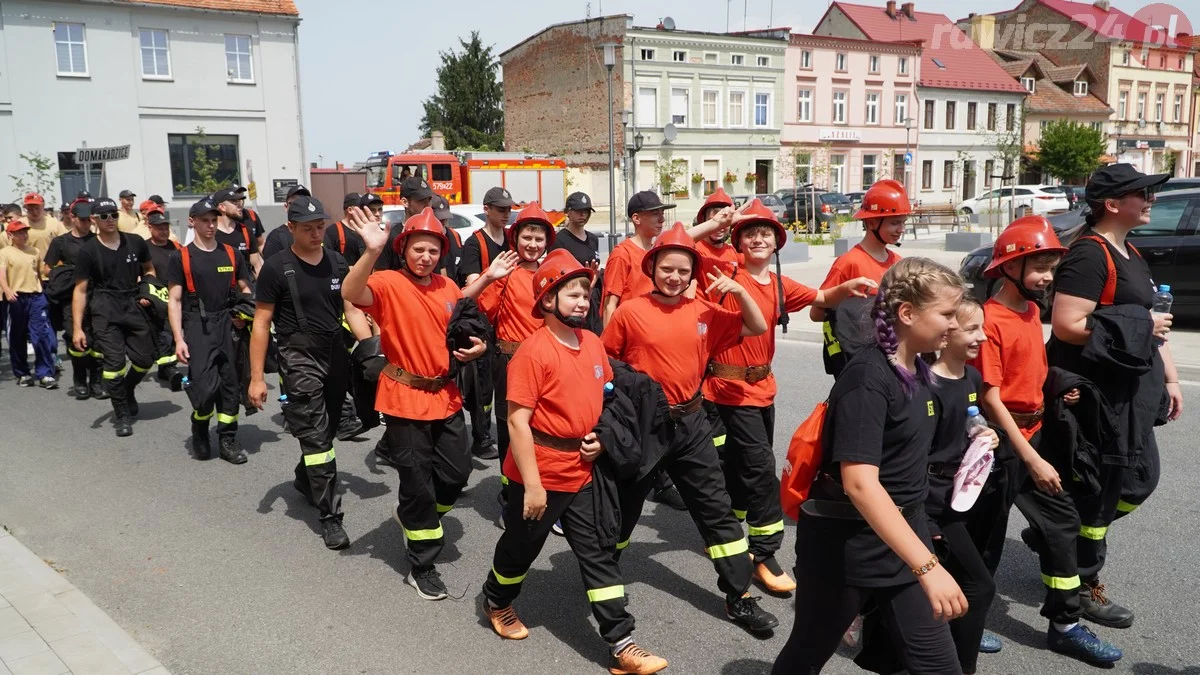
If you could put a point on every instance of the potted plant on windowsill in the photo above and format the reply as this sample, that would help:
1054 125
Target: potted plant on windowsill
730 178
751 178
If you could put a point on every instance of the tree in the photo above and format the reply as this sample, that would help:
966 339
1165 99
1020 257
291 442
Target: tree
205 178
468 106
1069 150
39 176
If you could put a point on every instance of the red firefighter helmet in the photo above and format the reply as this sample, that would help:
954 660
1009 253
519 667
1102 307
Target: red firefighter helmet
884 199
761 216
675 238
422 223
558 267
717 198
1024 237
532 214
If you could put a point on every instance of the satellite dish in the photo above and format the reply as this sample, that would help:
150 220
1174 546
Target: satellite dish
668 23
670 132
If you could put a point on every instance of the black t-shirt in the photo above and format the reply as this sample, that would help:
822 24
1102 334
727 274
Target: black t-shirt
872 421
1083 273
212 275
450 263
951 398
353 248
64 249
279 239
585 251
319 286
240 239
160 257
471 262
109 269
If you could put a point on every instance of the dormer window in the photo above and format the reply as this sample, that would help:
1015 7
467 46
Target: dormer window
1081 88
1028 83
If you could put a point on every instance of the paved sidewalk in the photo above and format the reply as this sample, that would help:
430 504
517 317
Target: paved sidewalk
49 627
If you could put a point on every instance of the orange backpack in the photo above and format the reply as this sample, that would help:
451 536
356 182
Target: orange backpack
803 462
1110 283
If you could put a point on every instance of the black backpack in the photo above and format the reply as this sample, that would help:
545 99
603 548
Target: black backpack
61 285
849 329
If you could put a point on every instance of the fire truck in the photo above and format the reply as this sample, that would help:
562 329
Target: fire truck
464 177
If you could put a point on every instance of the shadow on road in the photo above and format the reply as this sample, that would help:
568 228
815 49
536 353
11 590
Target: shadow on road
1157 669
746 667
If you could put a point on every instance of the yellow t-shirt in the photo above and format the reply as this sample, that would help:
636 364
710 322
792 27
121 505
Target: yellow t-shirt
128 223
21 268
42 233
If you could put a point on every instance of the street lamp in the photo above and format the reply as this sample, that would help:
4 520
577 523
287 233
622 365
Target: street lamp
610 61
639 140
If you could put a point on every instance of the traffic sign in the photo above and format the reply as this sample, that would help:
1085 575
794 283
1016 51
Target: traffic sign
252 190
907 158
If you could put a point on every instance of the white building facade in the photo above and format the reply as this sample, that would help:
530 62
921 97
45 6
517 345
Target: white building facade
150 75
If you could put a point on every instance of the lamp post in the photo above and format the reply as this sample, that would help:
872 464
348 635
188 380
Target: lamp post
908 127
639 139
610 61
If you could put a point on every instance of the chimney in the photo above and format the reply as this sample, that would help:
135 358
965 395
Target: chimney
891 9
907 9
982 30
437 141
1103 5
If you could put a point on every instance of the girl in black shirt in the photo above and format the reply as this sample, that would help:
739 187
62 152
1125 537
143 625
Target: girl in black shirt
863 534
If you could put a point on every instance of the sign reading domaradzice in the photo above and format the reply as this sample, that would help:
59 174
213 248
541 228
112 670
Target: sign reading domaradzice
91 155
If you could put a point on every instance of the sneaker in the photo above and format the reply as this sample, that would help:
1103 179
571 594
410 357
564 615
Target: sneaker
854 633
1097 608
771 576
990 643
556 528
488 451
427 582
25 381
746 613
1081 643
505 621
232 451
633 660
48 383
669 496
334 534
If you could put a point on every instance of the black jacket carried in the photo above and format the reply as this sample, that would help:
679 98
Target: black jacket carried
155 292
652 422
1079 439
1122 338
366 364
467 321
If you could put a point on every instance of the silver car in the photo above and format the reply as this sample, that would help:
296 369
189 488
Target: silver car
768 200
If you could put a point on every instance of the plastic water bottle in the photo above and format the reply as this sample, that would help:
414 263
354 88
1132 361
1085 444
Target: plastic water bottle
186 382
282 400
609 390
974 419
1162 305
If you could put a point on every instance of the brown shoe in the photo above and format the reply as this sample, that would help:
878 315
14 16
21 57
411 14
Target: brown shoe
772 577
633 660
505 622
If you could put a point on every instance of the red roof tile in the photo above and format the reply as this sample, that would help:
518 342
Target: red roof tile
964 64
281 7
1113 24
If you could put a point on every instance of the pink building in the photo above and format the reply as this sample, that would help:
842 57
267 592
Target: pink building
846 102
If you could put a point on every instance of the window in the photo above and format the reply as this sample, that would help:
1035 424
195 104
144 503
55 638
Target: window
939 64
1141 105
441 172
991 121
972 113
647 54
647 107
837 173
182 153
1178 108
1125 58
840 62
902 65
1010 118
989 168
70 48
948 174
1044 124
679 56
1081 88
1162 62
927 174
803 168
1123 105
804 105
737 59
806 59
898 168
870 169
872 108
762 61
762 110
683 174
737 108
873 64
1098 126
1158 106
156 58
1181 63
928 114
901 109
712 57
839 107
1029 83
237 58
712 175
710 108
951 114
679 107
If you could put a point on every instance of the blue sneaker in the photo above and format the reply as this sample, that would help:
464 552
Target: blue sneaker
990 643
1081 643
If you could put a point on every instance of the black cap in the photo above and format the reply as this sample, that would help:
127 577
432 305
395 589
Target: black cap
226 195
127 193
205 205
1120 179
370 199
157 218
237 188
579 201
298 190
103 205
82 208
157 199
415 188
305 209
441 207
351 199
498 196
83 194
646 201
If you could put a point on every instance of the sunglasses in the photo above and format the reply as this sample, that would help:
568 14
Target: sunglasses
105 216
1146 193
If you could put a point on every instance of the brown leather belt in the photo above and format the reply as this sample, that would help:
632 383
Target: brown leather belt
747 374
430 384
686 408
555 442
507 348
1027 420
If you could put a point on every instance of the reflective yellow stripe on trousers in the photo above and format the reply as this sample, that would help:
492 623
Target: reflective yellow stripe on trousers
1125 507
1061 583
766 530
222 418
725 550
423 535
506 581
606 593
318 458
1093 533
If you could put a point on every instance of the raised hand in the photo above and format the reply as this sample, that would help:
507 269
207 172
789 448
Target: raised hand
373 231
719 284
503 265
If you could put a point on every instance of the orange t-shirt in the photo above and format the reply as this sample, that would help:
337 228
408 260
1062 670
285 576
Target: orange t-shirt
671 343
1014 357
565 389
508 304
412 330
725 252
760 349
623 276
858 263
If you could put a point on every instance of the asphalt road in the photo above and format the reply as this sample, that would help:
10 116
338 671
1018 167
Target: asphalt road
220 569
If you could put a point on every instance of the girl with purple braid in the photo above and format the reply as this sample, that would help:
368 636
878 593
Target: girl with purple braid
863 534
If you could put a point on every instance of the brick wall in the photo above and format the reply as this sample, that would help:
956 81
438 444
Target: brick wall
556 96
1033 27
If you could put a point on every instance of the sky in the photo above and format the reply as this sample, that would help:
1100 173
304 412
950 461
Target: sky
367 65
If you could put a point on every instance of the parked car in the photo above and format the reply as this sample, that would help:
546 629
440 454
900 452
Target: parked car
827 207
1065 221
1039 200
772 202
1170 243
1074 195
464 218
855 197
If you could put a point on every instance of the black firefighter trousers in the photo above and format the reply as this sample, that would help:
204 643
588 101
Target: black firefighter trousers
214 387
315 370
522 542
744 439
120 330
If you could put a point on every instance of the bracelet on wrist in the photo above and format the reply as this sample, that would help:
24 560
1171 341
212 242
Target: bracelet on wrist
925 569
